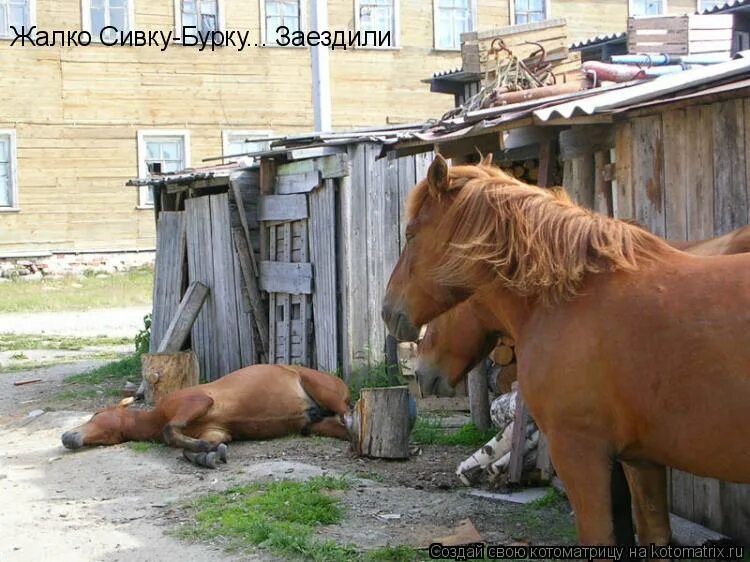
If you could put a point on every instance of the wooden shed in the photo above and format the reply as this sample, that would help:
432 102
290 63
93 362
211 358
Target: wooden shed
296 251
671 153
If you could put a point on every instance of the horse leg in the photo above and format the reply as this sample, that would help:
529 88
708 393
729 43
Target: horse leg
198 451
585 466
330 427
217 440
648 484
324 394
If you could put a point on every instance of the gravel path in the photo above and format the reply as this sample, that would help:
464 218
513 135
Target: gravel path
112 322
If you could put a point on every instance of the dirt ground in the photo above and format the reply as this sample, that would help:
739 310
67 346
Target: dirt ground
116 503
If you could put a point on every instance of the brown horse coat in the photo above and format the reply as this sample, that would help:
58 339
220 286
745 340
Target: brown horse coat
626 347
257 402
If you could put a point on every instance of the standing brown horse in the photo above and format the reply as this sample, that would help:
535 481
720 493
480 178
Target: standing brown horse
627 348
257 402
457 340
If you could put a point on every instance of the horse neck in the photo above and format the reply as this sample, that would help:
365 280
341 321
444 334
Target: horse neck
502 311
142 425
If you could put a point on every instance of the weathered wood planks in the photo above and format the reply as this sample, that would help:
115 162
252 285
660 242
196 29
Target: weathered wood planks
168 273
647 168
184 317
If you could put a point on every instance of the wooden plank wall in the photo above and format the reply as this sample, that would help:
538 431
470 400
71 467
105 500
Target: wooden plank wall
684 174
221 334
169 280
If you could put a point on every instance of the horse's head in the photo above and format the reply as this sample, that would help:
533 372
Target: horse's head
453 344
415 295
104 428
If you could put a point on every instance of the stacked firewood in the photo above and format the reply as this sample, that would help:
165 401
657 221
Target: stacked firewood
528 171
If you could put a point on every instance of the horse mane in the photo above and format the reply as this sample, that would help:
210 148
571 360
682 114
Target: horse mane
536 241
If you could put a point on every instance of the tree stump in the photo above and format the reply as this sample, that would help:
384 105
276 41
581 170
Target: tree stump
166 372
381 424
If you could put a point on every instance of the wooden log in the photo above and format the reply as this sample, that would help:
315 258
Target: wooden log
381 423
502 355
182 321
509 341
167 372
260 316
508 375
479 401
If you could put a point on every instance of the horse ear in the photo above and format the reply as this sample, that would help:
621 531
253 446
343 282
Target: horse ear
486 160
125 402
437 174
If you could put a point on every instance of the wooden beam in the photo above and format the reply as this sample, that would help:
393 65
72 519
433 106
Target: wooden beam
334 166
470 145
183 319
285 277
282 207
260 317
547 161
297 183
584 140
479 402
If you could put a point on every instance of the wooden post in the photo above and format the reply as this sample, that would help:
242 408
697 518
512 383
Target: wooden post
547 159
381 423
518 441
182 321
391 358
167 372
479 401
260 316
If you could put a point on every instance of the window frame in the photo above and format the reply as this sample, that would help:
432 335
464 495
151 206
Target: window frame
664 11
86 19
220 22
436 25
302 24
142 135
547 12
13 160
249 133
32 21
396 26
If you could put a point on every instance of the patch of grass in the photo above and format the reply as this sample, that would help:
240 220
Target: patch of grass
551 523
278 516
142 446
35 365
11 342
19 356
430 431
401 553
370 475
76 394
553 498
129 288
373 374
117 371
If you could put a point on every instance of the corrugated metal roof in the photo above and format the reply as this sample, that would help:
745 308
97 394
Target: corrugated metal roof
599 40
645 91
730 6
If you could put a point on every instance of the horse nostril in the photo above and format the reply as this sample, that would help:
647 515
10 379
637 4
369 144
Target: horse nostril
72 440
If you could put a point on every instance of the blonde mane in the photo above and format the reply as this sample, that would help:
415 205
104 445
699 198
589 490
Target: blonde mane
537 242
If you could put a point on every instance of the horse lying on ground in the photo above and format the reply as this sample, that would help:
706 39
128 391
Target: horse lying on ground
627 348
257 402
457 340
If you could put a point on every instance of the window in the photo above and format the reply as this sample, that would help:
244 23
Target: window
378 15
8 183
16 13
527 11
277 13
647 7
98 14
204 15
241 142
708 4
452 18
168 149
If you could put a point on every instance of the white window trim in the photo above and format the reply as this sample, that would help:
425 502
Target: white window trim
664 12
396 27
13 154
698 6
32 19
547 11
178 18
86 18
142 135
436 23
302 24
226 133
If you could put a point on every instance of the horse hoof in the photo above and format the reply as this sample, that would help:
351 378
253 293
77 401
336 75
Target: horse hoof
209 460
221 451
206 460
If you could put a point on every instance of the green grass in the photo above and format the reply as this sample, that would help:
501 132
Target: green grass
117 371
12 342
373 374
130 288
430 431
143 446
553 498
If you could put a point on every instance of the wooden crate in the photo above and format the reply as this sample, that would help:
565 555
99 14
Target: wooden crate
681 35
551 34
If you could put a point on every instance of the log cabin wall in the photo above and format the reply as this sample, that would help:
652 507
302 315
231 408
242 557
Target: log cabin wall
684 174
